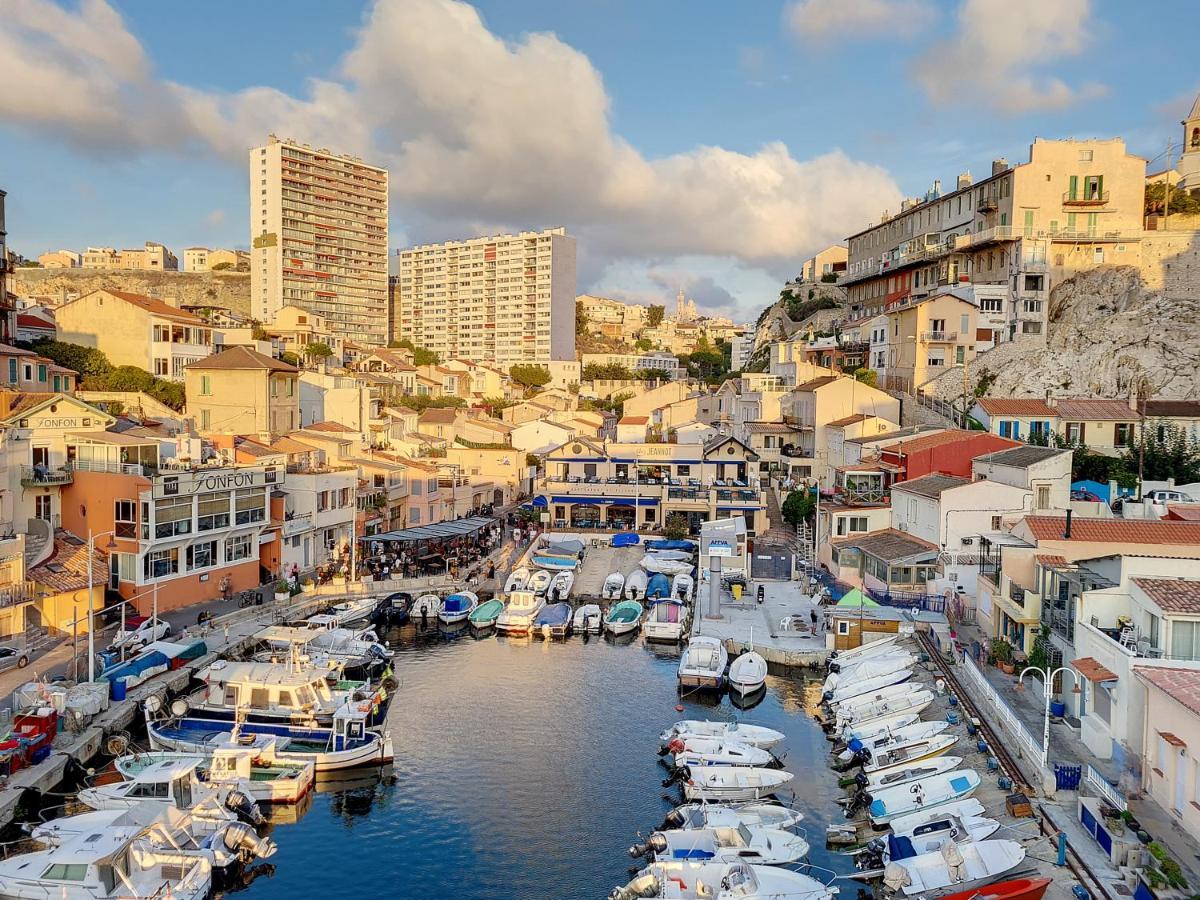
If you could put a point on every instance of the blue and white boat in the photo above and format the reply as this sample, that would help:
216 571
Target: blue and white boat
889 803
553 621
658 586
556 563
457 607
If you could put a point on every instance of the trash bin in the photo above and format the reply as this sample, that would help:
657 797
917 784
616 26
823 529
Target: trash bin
737 592
118 689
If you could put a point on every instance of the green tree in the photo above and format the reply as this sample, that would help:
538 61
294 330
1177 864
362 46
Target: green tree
222 267
290 357
654 315
129 378
708 365
1164 450
643 344
798 506
581 319
421 356
84 360
829 277
675 527
1181 201
421 402
605 372
529 376
497 405
868 377
393 344
318 351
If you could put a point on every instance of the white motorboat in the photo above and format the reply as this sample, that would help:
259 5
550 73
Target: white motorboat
682 880
517 580
588 619
850 708
683 587
677 555
910 698
953 868
732 782
713 815
868 668
717 752
457 607
106 862
635 585
703 663
520 611
865 686
614 584
916 772
754 735
560 587
175 782
666 566
739 843
862 651
889 803
350 611
902 756
426 607
892 737
667 620
623 617
963 821
881 725
747 673
539 581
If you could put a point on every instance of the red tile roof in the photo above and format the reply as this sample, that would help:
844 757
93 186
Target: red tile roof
1051 559
25 320
817 383
1173 739
633 420
1116 531
1096 410
1178 595
439 415
942 438
1092 670
156 307
1183 512
1015 406
849 420
333 427
1171 409
241 358
1181 685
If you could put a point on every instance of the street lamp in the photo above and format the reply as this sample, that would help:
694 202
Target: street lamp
91 549
1048 677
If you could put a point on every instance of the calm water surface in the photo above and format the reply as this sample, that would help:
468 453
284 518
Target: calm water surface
524 769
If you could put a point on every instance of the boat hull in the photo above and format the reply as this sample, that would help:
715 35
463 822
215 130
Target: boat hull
1017 889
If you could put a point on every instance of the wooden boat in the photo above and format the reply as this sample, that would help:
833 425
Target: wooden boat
703 663
623 618
486 614
743 733
1017 889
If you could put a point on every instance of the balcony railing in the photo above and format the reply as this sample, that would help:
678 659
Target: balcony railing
939 337
863 496
295 524
42 476
989 203
1089 198
12 594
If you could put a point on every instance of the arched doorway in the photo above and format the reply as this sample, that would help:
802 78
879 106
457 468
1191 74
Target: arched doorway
497 497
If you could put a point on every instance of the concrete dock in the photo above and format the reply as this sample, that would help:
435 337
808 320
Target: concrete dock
780 628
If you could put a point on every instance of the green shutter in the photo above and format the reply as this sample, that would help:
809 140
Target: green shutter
1100 186
1070 222
1093 220
1071 191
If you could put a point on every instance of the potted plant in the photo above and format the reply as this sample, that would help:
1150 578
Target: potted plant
283 590
1002 652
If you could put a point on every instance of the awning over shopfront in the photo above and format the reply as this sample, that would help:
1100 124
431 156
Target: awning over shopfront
441 531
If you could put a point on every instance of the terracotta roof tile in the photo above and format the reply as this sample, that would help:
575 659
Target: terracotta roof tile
66 569
1185 512
1092 670
241 358
1015 406
155 307
1171 409
1116 531
1177 595
439 415
1181 685
633 420
1173 739
331 427
1051 559
1096 410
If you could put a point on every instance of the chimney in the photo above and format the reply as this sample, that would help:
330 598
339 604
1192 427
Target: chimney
937 187
1067 528
964 180
1133 403
1051 401
904 205
999 165
171 301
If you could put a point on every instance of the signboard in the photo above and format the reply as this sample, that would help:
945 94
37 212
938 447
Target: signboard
545 517
209 481
719 548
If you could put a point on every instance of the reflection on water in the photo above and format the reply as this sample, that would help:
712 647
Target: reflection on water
523 769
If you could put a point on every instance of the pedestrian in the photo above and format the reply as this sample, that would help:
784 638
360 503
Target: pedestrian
812 614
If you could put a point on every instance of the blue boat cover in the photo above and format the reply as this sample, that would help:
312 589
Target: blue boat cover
658 586
900 848
554 614
878 808
855 745
961 783
691 853
625 539
665 544
457 603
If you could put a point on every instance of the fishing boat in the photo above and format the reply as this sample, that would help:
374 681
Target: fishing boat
517 580
717 752
868 668
553 621
687 880
666 620
909 698
106 861
953 868
560 587
889 803
731 782
747 673
614 584
589 619
623 617
176 782
703 663
682 587
333 649
396 608
862 651
903 756
928 830
1016 889
866 686
539 581
754 844
520 611
426 607
635 584
457 607
653 563
486 614
892 737
711 815
658 587
555 563
754 735
254 768
874 727
916 772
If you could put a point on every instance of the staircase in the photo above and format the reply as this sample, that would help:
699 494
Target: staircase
779 533
39 543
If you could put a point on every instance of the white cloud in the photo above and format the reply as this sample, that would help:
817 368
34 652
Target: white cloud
823 20
215 217
476 132
1000 52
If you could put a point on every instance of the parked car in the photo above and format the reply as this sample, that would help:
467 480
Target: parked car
11 658
141 630
1163 495
1089 496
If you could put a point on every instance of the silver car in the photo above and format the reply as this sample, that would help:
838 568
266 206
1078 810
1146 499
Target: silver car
11 658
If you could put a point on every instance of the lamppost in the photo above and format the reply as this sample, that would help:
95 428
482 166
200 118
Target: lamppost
1048 677
91 549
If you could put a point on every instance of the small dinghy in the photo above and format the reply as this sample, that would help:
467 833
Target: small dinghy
589 619
519 612
623 618
703 663
457 607
426 607
517 579
871 648
539 581
556 563
666 566
917 772
850 708
864 710
731 782
658 587
1017 889
902 756
635 585
953 868
687 880
667 621
747 673
742 843
889 803
614 584
869 668
730 815
553 621
754 735
560 587
874 727
682 587
568 547
862 687
486 614
717 752
892 737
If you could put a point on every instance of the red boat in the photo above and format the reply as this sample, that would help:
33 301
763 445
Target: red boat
1017 889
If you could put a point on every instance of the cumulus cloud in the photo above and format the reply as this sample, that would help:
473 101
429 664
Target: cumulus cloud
475 130
823 20
997 52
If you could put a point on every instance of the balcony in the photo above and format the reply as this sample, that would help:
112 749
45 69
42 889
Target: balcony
13 594
989 204
295 524
939 337
43 476
1088 198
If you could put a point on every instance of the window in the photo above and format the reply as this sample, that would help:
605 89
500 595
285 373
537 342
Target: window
172 517
1043 496
12 371
1085 155
202 555
683 471
851 524
1034 282
238 547
1183 640
213 512
960 355
416 486
125 519
414 516
250 506
990 304
996 523
66 872
160 563
1032 306
1122 434
205 385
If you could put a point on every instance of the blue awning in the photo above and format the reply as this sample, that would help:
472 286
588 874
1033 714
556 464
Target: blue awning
600 501
539 501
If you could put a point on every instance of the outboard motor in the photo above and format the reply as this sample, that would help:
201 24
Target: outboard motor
378 651
858 802
240 838
833 666
643 886
673 820
871 856
827 696
861 779
680 773
245 808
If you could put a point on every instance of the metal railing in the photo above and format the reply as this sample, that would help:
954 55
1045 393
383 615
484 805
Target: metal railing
939 337
1090 198
1102 786
1027 743
34 475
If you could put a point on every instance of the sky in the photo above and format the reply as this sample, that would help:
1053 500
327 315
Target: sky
695 143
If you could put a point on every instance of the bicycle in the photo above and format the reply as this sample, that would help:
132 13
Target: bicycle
249 598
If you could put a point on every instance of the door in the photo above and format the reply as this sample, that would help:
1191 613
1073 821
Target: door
1180 781
114 571
41 456
43 507
768 562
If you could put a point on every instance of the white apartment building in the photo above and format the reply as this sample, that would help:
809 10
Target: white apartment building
195 259
319 232
505 299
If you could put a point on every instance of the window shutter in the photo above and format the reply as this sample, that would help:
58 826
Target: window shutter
1100 186
1074 186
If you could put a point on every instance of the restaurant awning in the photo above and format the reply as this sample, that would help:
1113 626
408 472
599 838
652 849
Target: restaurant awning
440 531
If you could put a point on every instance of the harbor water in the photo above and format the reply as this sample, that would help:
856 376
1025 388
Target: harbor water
524 769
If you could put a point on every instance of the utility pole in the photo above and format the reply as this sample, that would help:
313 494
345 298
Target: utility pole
1167 187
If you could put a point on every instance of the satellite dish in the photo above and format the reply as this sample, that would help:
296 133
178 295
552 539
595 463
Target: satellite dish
179 707
153 703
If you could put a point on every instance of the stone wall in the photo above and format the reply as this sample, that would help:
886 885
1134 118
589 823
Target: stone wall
57 286
1171 263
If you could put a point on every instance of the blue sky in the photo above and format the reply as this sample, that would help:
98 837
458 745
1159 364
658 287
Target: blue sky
699 143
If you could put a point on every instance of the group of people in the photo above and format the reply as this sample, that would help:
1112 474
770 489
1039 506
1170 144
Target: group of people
451 556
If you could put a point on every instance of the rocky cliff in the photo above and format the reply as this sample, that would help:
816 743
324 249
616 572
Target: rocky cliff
56 286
